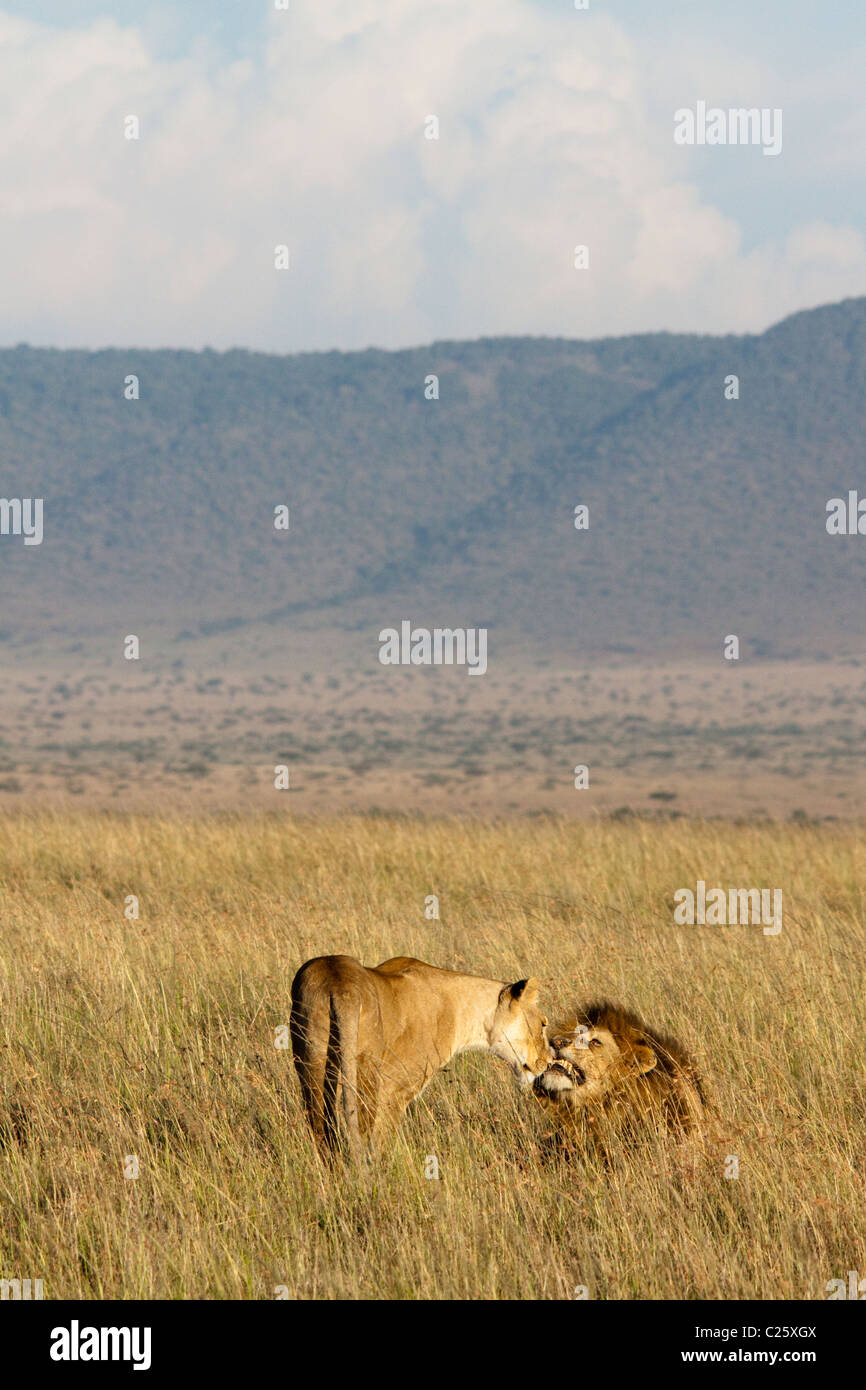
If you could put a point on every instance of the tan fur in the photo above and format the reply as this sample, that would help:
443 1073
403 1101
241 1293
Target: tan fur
368 1040
625 1074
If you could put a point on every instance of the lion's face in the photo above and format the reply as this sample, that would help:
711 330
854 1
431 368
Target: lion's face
519 1033
590 1063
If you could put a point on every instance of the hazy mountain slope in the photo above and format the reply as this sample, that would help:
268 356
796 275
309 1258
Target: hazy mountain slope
703 511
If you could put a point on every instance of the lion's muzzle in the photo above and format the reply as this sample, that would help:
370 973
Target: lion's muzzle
560 1075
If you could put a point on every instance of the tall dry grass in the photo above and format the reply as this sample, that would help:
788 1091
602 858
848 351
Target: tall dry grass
155 1038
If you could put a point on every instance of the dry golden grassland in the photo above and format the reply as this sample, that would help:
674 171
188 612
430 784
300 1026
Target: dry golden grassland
155 1038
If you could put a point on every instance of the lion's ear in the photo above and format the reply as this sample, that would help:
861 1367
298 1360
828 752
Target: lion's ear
524 990
643 1059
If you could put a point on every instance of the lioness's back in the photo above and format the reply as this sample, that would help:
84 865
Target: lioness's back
399 965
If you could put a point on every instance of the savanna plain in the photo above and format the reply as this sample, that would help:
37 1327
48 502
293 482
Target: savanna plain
152 1045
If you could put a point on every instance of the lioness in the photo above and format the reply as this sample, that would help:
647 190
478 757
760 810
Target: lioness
609 1066
376 1036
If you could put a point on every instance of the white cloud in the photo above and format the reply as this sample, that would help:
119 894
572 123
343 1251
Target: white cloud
546 141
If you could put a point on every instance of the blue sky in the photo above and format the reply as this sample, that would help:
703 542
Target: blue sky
306 128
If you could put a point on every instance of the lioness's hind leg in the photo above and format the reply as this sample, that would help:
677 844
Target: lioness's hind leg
392 1104
310 1050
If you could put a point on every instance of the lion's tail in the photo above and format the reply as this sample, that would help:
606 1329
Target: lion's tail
343 1058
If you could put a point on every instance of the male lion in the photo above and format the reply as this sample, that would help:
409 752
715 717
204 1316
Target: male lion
610 1067
373 1038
